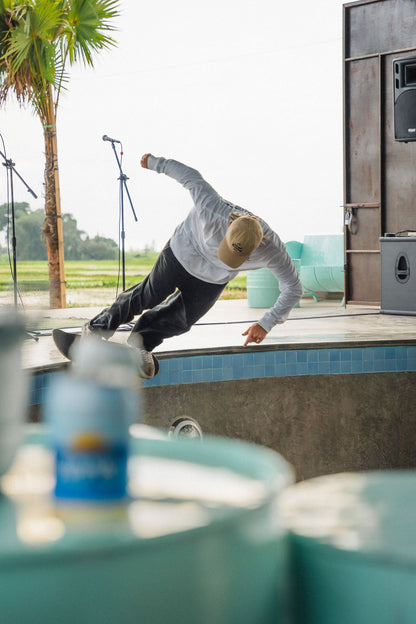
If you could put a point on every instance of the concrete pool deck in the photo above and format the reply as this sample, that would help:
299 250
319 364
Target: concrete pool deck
313 324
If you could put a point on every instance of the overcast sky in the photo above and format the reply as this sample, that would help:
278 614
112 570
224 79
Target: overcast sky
249 93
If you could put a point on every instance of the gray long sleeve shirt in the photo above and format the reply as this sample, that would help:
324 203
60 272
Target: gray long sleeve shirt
196 240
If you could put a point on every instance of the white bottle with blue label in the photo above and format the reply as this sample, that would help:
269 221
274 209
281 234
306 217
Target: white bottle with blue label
89 409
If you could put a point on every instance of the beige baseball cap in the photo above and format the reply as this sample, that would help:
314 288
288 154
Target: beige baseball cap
243 237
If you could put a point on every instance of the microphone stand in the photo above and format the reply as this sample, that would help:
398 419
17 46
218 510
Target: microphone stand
122 187
9 164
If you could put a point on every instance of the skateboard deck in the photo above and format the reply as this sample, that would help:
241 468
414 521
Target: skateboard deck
65 340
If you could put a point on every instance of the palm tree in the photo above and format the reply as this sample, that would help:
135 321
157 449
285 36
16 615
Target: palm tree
38 39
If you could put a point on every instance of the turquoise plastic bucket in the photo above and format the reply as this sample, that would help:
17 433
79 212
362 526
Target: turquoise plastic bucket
262 288
200 540
354 548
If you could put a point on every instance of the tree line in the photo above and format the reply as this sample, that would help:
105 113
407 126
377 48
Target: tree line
30 237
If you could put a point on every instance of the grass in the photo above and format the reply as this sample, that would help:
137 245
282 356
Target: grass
96 274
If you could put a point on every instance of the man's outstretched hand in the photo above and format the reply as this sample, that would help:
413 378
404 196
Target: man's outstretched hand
143 161
255 333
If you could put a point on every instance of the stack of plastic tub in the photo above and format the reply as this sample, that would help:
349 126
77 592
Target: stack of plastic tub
198 540
354 548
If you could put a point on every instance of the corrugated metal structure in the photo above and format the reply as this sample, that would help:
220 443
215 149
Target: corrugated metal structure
379 171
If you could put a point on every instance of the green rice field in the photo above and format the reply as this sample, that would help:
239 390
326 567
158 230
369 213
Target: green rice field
85 280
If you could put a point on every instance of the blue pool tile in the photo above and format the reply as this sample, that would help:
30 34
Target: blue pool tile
172 365
156 381
248 359
345 355
334 355
280 357
368 366
207 361
207 374
401 353
280 370
356 366
260 358
238 359
291 368
269 359
187 376
313 355
301 368
302 356
323 355
411 353
291 357
227 360
196 376
345 366
334 367
390 365
269 371
249 372
368 355
379 366
217 374
175 377
323 368
239 372
379 354
197 363
227 374
390 353
357 355
411 364
314 368
217 361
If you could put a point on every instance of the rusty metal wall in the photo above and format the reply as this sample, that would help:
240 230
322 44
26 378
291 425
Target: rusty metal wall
379 172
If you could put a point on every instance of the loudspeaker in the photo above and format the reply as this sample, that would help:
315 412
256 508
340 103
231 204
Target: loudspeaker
404 90
398 275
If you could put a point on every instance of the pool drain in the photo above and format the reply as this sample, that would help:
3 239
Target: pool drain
185 427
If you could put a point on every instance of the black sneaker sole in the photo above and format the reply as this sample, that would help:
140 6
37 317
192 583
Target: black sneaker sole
156 363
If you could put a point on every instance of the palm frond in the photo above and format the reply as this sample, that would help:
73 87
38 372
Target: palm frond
28 55
39 37
87 24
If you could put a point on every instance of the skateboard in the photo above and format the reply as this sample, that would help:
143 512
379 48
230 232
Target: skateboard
65 341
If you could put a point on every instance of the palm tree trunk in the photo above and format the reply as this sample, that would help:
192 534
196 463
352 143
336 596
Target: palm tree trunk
53 219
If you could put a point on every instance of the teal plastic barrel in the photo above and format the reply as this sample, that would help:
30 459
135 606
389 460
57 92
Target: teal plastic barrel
262 288
199 540
354 548
294 249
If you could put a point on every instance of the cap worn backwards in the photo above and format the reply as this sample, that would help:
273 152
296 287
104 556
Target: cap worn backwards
243 237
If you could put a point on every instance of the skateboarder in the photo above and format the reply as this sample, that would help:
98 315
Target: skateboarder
205 252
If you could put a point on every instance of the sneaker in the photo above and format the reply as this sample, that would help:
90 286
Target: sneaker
146 364
86 330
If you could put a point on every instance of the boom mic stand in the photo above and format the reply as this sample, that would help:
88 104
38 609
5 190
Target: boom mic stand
9 164
122 187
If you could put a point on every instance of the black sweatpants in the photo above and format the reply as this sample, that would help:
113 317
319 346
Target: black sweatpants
173 299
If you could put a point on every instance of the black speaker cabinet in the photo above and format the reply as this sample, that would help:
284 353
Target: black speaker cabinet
398 275
404 89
